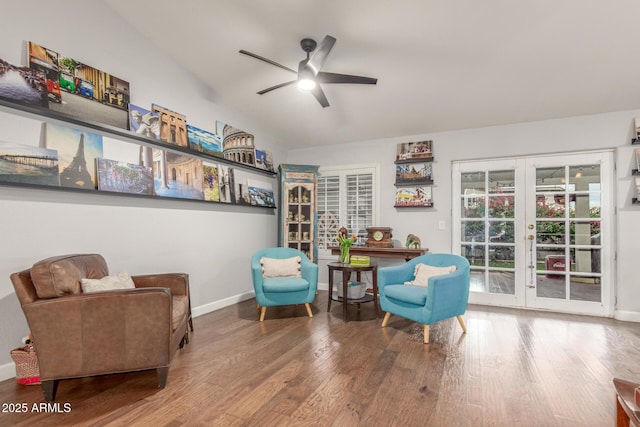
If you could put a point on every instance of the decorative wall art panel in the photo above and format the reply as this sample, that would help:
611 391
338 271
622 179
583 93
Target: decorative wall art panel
26 164
23 85
203 141
210 183
173 126
77 154
144 122
122 177
79 90
413 197
177 175
414 151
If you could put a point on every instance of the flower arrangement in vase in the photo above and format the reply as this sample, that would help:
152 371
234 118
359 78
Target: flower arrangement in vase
345 241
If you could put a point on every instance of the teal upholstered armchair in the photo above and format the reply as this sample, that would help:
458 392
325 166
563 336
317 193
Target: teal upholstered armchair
284 290
445 296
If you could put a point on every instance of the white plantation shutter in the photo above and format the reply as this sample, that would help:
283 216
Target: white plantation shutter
359 204
346 198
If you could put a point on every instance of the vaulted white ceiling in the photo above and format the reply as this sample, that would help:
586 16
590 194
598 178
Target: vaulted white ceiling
441 64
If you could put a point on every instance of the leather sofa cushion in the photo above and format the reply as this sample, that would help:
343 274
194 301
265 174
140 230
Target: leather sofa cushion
180 310
61 275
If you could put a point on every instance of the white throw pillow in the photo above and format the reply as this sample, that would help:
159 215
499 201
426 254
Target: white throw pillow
423 272
286 267
108 283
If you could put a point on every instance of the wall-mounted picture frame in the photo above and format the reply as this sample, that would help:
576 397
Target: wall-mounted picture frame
264 160
79 90
144 122
123 177
23 85
26 164
173 126
414 173
77 154
413 197
414 151
203 141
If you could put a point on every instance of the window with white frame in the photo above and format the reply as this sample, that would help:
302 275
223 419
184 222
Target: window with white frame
346 198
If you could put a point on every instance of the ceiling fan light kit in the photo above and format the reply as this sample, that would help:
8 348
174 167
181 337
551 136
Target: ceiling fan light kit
309 74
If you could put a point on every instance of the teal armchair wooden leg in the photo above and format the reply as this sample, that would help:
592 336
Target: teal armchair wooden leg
462 325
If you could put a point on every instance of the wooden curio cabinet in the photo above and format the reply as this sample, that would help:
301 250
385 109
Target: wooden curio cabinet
298 213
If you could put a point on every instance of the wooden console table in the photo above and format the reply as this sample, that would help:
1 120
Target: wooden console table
400 253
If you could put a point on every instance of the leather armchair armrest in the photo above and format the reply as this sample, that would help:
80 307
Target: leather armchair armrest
105 332
177 282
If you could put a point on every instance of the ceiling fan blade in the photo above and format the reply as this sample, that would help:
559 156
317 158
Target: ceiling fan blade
344 78
268 61
319 56
269 89
320 96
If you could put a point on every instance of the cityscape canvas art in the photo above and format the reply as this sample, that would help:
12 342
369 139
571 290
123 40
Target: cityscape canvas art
177 175
203 141
23 85
77 154
413 197
122 177
79 90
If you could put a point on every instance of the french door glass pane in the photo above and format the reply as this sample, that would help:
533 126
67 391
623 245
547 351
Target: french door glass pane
487 229
568 232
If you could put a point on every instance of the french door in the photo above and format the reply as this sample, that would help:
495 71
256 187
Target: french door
537 231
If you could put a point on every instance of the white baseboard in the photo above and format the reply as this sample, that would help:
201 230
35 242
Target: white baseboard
323 286
217 305
627 316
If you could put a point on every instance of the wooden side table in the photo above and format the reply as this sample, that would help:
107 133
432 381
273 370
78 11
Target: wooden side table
346 270
627 408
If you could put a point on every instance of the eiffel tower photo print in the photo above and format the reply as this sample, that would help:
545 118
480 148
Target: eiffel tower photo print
77 154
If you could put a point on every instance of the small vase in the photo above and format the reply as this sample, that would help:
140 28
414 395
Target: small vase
345 258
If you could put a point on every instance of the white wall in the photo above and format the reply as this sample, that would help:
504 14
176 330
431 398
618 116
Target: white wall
211 242
612 130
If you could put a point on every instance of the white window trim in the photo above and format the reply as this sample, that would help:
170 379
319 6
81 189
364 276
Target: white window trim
355 168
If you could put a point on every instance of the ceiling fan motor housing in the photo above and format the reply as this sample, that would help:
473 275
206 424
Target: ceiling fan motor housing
308 45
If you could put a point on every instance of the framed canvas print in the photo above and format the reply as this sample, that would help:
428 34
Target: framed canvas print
413 197
414 151
237 145
28 165
637 153
414 173
144 122
203 141
261 193
46 61
210 183
77 154
173 126
264 160
226 183
637 128
81 91
177 175
122 177
23 85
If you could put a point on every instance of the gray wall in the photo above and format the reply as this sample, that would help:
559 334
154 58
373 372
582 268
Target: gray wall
210 242
603 131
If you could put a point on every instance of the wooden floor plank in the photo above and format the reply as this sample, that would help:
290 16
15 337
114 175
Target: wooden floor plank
512 368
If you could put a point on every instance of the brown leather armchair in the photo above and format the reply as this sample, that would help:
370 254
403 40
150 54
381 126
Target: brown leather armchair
80 335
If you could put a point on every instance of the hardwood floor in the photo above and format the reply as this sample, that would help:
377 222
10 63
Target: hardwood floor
512 368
